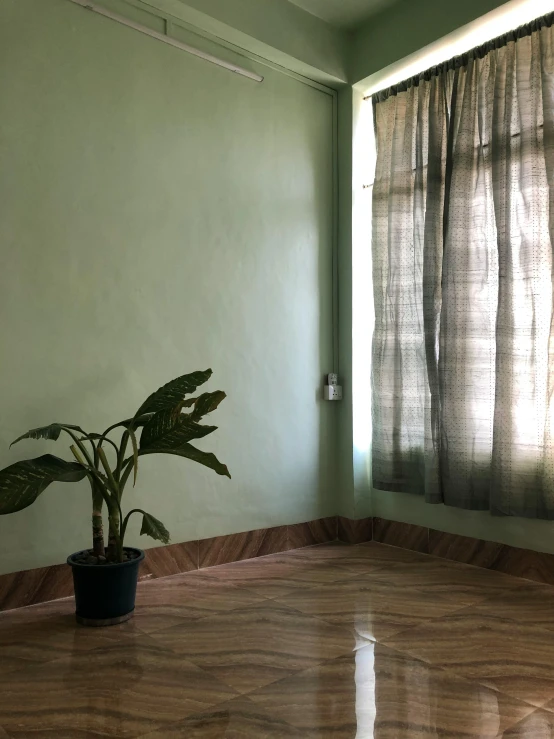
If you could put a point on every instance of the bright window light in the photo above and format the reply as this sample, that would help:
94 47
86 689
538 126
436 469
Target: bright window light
362 289
493 24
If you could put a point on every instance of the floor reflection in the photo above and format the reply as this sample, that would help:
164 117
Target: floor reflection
339 642
366 706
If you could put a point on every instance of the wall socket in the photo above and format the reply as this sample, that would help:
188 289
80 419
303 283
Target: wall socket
332 391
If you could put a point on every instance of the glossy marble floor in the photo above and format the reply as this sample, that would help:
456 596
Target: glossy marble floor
366 641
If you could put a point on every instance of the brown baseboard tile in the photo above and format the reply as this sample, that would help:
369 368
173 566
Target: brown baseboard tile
404 535
353 531
29 587
463 548
307 534
537 566
172 559
247 545
525 563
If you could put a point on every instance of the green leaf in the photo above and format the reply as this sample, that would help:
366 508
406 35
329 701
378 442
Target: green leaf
172 394
191 452
160 424
133 438
154 528
21 483
168 430
52 432
206 403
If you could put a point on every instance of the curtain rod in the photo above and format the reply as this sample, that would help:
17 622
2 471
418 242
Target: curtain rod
462 60
168 40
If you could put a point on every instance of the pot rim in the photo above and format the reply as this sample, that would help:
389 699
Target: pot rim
108 565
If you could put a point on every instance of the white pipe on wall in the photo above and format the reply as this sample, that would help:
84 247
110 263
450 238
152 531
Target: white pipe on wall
168 40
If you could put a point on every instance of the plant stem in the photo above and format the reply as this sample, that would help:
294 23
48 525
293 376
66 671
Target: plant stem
115 542
109 473
99 494
98 547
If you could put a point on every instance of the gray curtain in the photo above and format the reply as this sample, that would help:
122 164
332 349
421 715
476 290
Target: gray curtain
463 228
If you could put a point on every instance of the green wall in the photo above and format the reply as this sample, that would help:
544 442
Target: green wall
159 215
407 26
275 29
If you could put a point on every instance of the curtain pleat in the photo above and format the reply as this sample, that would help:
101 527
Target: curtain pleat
463 219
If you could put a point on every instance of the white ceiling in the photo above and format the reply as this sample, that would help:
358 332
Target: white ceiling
347 14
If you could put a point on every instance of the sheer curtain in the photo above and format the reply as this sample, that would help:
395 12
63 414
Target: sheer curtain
463 227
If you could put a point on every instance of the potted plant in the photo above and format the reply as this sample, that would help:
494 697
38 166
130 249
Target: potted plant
105 577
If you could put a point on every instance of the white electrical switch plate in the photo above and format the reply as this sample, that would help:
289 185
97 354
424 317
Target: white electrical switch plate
332 379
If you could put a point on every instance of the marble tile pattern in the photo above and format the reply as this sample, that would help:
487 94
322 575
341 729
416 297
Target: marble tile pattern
538 725
335 641
281 573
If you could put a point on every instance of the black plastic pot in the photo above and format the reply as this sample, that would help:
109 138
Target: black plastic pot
105 594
